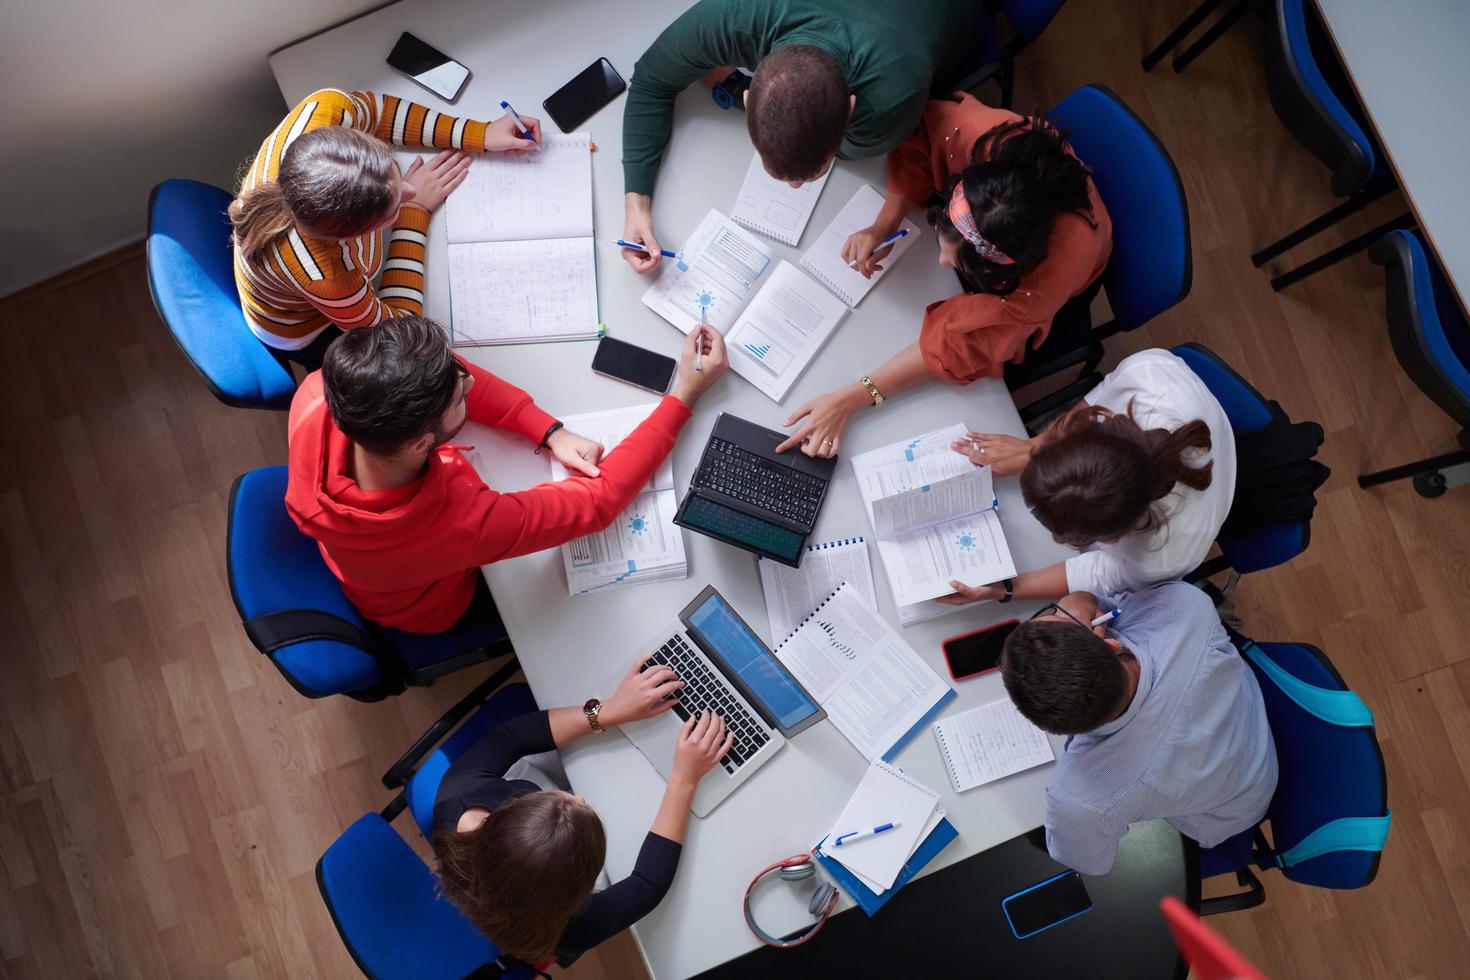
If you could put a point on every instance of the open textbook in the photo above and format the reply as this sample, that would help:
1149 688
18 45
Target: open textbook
521 262
792 593
773 207
774 317
933 512
876 690
642 544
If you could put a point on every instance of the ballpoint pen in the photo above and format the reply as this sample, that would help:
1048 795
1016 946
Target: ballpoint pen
1105 618
699 347
860 834
525 133
887 241
643 248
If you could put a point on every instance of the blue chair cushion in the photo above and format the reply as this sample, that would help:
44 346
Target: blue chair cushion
1151 265
1326 771
1446 336
1030 17
383 900
274 567
1247 410
509 702
1265 548
191 274
1308 47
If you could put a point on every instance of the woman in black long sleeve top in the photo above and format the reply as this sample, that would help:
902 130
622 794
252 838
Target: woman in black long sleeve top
520 861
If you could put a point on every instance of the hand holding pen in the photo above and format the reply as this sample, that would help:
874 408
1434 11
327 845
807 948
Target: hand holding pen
526 131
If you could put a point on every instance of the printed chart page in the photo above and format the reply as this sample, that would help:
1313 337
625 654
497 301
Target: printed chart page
781 329
541 194
720 269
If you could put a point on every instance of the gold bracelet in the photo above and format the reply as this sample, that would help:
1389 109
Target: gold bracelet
873 391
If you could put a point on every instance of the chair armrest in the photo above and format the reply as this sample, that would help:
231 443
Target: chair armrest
983 74
399 772
1255 894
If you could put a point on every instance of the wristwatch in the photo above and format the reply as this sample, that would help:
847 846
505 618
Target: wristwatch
592 709
1010 586
730 93
546 439
873 391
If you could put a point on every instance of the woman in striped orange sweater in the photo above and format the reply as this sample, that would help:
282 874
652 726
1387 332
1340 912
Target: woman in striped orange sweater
321 197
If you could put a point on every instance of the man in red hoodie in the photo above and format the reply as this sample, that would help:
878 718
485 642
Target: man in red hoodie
401 516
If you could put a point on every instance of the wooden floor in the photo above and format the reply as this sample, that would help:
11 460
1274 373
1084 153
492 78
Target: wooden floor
164 795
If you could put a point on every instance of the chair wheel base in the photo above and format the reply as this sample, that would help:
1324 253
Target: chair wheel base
1431 485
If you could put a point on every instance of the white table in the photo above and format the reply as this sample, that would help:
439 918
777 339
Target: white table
572 648
1408 64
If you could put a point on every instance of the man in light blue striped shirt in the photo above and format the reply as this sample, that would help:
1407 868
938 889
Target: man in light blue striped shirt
1165 716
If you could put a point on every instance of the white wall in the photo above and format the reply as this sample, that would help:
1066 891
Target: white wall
101 100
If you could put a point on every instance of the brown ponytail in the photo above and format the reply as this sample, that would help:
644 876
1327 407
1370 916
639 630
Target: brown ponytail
1099 475
522 873
332 182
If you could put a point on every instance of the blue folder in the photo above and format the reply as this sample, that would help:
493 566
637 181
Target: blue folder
870 901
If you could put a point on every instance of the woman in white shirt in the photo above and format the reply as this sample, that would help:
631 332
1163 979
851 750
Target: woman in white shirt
1139 476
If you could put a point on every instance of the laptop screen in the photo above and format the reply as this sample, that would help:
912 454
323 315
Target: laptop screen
773 539
744 655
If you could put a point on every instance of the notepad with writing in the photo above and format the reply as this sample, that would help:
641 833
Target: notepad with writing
773 207
792 593
876 690
824 259
990 742
519 232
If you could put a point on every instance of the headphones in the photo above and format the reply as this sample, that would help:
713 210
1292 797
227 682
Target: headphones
799 867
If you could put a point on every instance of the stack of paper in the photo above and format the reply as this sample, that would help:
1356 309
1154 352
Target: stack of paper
933 512
773 207
792 593
885 795
875 689
642 544
521 264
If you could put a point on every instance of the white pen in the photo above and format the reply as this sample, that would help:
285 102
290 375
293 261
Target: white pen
699 347
891 238
1105 618
860 834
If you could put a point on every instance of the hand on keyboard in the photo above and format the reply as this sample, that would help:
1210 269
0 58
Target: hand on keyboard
702 742
643 692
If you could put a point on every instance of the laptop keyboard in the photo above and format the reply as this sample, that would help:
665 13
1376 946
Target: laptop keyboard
755 480
705 690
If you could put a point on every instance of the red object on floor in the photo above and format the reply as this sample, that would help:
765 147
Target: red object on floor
1209 956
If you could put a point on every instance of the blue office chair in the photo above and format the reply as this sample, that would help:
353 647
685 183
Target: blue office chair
1028 18
1316 102
191 275
1329 817
1151 267
1431 340
294 611
383 898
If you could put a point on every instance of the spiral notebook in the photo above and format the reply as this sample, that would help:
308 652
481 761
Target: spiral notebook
990 742
773 207
792 593
824 259
886 794
876 690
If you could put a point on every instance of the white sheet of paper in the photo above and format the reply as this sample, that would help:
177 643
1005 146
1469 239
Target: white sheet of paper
824 259
773 207
873 685
781 329
546 193
792 593
990 742
720 268
884 795
514 292
936 502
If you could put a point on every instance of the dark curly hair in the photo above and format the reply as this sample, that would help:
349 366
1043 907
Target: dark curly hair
1065 679
390 383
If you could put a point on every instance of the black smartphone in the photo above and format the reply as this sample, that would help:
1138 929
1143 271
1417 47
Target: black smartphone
428 66
627 362
575 102
974 653
1046 904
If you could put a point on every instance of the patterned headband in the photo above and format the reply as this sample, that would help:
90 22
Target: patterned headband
959 214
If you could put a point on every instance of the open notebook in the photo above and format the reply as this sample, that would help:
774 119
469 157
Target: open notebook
521 262
824 259
642 544
933 512
988 743
773 207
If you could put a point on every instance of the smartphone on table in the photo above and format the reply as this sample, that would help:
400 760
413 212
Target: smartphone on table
633 364
1046 904
576 101
428 66
975 653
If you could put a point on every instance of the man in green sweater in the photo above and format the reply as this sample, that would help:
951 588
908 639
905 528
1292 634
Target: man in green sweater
833 78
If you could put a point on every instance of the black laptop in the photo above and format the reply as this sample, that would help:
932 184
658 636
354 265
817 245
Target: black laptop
744 494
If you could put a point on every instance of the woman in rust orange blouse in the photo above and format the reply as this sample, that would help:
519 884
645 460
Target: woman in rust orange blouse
1017 216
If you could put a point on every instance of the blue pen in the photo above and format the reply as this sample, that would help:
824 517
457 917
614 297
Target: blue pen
643 248
1105 618
887 241
525 132
860 834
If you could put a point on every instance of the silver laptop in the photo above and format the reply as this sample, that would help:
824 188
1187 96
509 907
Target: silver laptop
727 669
